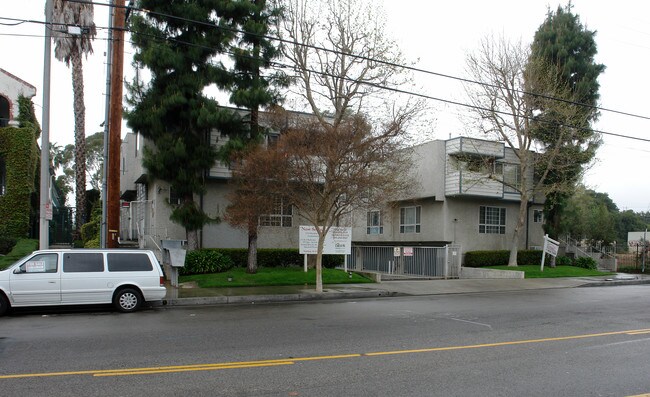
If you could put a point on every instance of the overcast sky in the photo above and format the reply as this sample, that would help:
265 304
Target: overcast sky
439 36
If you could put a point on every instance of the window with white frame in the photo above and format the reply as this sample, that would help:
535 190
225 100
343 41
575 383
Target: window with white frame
281 214
492 220
409 219
538 216
374 225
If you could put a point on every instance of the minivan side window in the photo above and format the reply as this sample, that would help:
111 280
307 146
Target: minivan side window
129 263
83 262
43 263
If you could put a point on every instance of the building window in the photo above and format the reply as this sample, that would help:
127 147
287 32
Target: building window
374 225
4 112
281 215
3 177
492 220
538 216
409 219
174 197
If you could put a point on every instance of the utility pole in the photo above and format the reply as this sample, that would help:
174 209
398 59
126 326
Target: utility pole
44 201
115 125
103 230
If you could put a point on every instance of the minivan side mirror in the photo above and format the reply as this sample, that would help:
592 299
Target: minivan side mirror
17 270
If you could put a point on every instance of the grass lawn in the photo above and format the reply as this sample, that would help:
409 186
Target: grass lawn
532 271
271 276
22 248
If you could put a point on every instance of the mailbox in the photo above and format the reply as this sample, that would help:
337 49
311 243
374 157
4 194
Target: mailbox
173 253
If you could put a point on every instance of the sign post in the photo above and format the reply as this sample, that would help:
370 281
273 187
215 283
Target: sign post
551 247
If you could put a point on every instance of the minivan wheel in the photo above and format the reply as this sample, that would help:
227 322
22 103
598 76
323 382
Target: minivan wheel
127 300
4 304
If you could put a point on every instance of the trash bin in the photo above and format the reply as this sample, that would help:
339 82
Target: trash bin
173 253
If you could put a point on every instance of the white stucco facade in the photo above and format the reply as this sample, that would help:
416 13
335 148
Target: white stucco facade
446 211
11 88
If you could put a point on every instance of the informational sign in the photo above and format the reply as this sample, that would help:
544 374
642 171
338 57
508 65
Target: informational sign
338 241
408 251
550 247
35 267
397 251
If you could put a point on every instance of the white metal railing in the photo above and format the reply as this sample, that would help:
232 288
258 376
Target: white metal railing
439 262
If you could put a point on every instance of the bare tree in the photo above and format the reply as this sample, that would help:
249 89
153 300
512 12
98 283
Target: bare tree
504 110
255 176
345 67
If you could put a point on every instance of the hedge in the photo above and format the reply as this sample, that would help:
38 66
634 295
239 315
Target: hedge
500 258
238 257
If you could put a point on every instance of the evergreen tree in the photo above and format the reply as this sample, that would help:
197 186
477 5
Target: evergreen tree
177 43
252 88
567 48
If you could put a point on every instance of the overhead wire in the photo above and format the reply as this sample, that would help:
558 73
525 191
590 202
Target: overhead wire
392 64
396 90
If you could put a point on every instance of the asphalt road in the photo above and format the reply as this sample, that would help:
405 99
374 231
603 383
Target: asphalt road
556 342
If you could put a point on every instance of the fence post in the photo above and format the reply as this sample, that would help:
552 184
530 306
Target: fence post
446 268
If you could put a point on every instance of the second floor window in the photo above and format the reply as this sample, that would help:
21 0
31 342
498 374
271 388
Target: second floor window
409 219
492 220
174 197
538 216
374 224
281 215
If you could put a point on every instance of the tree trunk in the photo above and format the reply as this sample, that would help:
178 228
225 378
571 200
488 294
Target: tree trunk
251 267
192 239
521 219
319 262
79 139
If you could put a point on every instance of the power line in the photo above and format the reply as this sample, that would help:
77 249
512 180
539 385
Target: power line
396 90
391 64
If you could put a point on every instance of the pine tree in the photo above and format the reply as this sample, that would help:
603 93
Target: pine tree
567 48
252 87
177 43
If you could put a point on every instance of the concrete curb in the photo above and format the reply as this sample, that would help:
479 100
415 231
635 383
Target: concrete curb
252 299
614 283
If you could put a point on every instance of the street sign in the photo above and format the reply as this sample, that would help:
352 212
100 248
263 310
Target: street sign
48 211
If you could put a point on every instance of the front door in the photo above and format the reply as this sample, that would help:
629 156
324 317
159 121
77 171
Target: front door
37 281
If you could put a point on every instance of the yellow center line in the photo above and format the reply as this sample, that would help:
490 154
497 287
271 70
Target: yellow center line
290 361
201 368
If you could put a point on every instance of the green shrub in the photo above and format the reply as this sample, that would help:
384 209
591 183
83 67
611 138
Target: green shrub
205 261
501 257
563 261
23 247
6 244
586 262
273 257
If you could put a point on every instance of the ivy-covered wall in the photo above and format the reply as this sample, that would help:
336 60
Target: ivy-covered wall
19 150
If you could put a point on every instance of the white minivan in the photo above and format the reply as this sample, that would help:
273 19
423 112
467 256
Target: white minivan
125 278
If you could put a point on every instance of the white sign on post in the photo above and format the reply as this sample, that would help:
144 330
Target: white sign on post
338 241
550 247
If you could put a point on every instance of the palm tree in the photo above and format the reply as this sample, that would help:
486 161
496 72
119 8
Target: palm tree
69 48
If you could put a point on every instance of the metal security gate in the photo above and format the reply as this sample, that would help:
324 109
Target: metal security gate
438 262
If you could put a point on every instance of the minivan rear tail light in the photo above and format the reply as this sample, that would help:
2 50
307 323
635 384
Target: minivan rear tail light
162 281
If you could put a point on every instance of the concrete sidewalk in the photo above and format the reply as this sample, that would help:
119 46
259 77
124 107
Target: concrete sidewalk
188 295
